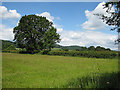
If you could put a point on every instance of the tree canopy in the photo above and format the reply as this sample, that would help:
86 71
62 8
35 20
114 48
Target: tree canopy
35 33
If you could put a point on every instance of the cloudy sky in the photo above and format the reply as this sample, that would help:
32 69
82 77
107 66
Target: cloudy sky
75 22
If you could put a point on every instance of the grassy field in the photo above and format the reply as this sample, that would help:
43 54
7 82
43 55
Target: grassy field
43 71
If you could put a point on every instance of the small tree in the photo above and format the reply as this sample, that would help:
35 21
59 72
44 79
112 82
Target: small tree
65 49
32 31
84 48
91 48
98 48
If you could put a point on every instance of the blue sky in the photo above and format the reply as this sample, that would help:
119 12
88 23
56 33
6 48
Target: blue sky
74 20
66 11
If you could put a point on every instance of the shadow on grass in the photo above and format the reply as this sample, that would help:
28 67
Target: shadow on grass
25 52
106 80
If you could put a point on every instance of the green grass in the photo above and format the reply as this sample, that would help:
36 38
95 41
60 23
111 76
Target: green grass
43 71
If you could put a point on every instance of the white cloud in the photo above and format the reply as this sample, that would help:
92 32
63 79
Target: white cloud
59 30
94 22
6 33
51 19
5 14
58 27
88 38
47 15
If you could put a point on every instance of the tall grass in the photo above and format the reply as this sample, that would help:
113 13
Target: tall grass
106 80
44 71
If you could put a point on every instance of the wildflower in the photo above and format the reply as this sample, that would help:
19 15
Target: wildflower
108 82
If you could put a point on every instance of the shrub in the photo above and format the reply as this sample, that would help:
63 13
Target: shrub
89 54
65 49
11 51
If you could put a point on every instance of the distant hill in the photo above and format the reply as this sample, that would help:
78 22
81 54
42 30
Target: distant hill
68 47
72 47
81 48
8 45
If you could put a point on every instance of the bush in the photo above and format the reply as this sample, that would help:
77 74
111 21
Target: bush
65 49
44 52
11 51
89 54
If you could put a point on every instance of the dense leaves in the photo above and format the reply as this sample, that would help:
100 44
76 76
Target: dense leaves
35 33
7 45
80 48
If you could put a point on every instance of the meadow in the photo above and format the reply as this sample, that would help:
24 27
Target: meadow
45 71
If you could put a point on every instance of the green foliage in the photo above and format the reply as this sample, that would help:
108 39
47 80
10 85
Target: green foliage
57 47
84 48
71 47
8 45
77 49
80 48
91 48
44 52
35 33
65 49
11 47
50 38
98 48
10 51
89 54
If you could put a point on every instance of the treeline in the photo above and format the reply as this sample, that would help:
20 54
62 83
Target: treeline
91 48
8 45
89 54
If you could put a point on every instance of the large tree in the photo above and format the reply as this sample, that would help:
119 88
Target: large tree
35 33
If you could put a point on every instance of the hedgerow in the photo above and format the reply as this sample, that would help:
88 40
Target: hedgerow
89 54
11 51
